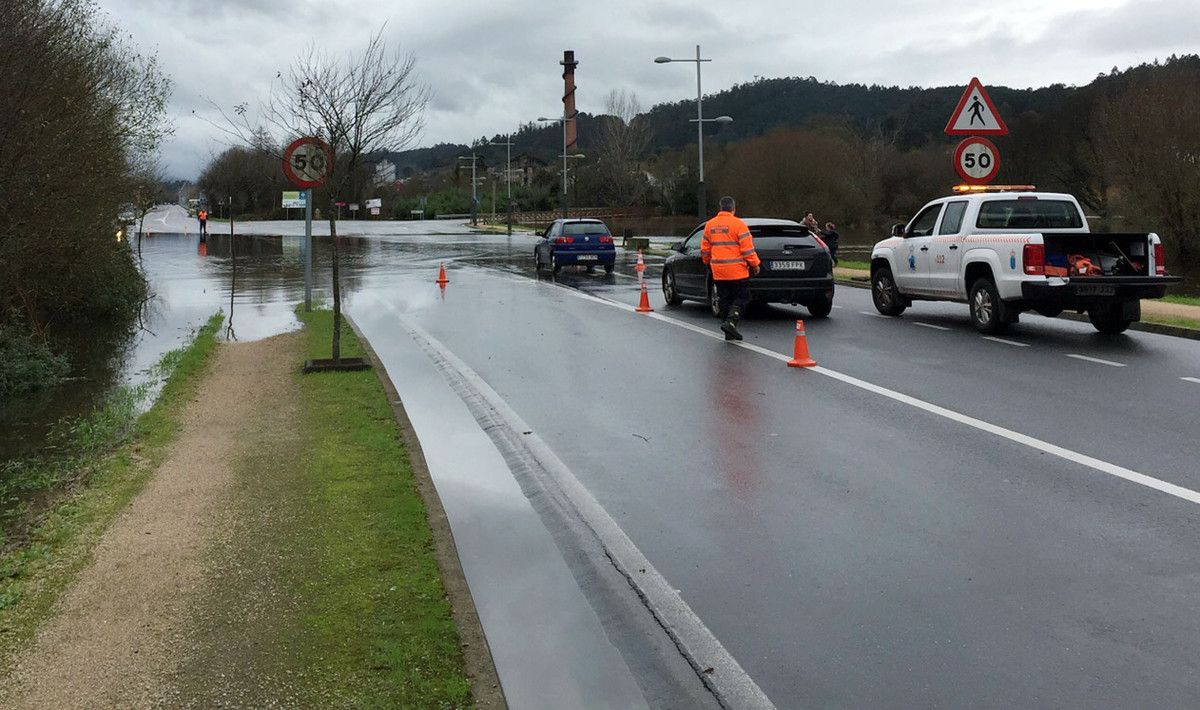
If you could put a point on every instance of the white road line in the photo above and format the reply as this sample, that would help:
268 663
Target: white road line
1191 379
874 315
1014 436
930 325
1110 363
1006 342
839 307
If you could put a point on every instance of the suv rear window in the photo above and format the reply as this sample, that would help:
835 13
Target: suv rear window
776 235
1028 214
579 229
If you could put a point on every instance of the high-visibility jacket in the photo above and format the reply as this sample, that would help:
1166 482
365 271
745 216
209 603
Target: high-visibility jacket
728 248
203 214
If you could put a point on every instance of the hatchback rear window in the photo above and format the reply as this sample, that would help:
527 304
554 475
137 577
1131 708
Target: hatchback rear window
1028 214
776 235
579 229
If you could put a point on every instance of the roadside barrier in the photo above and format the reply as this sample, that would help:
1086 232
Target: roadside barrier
644 306
441 279
800 357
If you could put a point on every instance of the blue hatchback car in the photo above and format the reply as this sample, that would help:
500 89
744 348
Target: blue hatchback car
576 242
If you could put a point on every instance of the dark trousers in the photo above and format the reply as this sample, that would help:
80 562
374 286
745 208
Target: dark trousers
733 294
204 226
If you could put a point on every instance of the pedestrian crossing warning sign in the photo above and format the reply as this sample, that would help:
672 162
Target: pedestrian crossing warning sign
976 115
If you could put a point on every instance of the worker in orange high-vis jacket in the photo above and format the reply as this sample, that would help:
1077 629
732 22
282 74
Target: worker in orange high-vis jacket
728 249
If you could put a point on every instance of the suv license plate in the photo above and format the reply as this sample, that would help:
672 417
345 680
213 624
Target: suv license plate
587 257
1095 290
788 266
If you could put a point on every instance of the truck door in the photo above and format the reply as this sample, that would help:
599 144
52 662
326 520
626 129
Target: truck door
946 250
913 272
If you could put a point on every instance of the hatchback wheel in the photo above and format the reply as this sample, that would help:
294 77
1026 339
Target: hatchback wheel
670 294
714 303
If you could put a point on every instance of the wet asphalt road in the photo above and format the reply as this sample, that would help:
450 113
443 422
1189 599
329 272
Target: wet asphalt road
850 549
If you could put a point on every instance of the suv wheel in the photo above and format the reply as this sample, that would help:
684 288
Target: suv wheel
884 293
670 294
988 313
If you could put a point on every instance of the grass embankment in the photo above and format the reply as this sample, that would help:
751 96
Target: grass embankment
1183 300
327 584
69 499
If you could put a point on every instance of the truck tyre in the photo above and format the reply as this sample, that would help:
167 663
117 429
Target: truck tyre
989 314
884 293
1109 318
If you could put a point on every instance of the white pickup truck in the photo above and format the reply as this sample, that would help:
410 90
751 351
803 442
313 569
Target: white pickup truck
1007 250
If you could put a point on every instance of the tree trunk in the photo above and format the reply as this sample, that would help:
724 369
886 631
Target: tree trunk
337 292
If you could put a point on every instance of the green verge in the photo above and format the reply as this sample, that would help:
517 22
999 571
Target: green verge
850 264
1172 320
110 463
325 589
1185 300
379 606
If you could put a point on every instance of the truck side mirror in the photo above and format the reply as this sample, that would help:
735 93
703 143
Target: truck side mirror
898 229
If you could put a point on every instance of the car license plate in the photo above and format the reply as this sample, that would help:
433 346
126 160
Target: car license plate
788 266
588 257
1095 290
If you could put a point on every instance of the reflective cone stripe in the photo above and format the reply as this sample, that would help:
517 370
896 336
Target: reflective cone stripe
644 306
800 358
441 279
641 265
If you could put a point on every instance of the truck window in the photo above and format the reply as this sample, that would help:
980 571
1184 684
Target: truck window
1028 214
952 220
922 226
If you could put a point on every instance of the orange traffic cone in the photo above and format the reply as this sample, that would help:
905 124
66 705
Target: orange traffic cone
641 265
800 358
441 279
644 306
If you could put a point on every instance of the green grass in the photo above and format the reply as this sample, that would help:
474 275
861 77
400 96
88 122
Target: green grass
849 264
1172 320
1185 300
106 460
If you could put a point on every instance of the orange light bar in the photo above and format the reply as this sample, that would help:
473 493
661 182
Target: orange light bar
995 188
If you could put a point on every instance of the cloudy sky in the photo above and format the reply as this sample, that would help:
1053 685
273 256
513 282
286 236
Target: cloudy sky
493 65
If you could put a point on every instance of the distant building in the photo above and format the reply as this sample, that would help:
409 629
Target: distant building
385 173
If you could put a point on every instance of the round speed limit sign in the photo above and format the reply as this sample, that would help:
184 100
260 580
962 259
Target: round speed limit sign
977 160
307 162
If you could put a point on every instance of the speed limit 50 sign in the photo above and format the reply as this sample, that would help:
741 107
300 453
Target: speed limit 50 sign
977 160
307 162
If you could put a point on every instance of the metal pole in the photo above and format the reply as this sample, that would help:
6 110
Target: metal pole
308 248
508 180
700 208
474 195
564 188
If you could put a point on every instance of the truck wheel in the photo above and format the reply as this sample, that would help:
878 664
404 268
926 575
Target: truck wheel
988 313
819 309
884 293
1109 318
670 294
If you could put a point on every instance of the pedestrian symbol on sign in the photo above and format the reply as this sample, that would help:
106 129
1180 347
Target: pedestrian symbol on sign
976 115
977 112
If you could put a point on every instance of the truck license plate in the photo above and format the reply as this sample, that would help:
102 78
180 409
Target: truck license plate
788 266
1095 290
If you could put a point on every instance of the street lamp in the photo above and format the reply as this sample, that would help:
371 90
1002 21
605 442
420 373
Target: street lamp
699 120
508 144
564 156
474 199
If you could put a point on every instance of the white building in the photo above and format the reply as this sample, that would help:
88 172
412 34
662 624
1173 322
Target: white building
385 172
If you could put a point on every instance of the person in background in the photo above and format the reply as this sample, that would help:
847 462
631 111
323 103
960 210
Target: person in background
831 240
810 223
202 215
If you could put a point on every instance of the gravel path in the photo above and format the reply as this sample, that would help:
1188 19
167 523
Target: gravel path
120 631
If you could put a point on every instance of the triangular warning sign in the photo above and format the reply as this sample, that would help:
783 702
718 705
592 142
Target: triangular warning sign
976 115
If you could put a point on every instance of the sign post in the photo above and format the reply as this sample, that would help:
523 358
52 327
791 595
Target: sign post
306 164
976 159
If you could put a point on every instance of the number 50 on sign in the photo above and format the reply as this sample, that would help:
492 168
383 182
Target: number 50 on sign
307 161
977 160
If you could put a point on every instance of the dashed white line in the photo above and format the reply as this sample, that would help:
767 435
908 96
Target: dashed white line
1191 379
839 307
930 325
1097 360
873 315
1005 342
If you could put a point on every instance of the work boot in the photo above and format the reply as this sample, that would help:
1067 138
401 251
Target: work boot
729 325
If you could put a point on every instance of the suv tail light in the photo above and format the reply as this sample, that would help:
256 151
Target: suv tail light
564 240
1034 259
605 239
1160 260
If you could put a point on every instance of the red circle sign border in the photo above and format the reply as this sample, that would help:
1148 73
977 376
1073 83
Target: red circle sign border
995 161
287 161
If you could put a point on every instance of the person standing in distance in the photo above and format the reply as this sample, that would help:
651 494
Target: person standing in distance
202 215
728 250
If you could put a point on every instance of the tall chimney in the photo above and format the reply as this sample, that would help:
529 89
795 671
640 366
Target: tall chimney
568 63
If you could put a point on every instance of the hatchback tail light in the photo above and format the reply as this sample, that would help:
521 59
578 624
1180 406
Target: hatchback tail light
605 239
564 240
1034 259
1160 260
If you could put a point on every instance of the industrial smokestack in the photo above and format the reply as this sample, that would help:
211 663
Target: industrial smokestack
568 63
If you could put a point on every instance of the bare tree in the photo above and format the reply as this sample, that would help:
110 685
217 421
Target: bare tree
625 137
146 192
359 104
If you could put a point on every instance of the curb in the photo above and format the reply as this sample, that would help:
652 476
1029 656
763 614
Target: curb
479 667
1176 331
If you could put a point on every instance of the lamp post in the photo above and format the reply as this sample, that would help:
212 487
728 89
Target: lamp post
508 144
699 120
564 156
474 199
